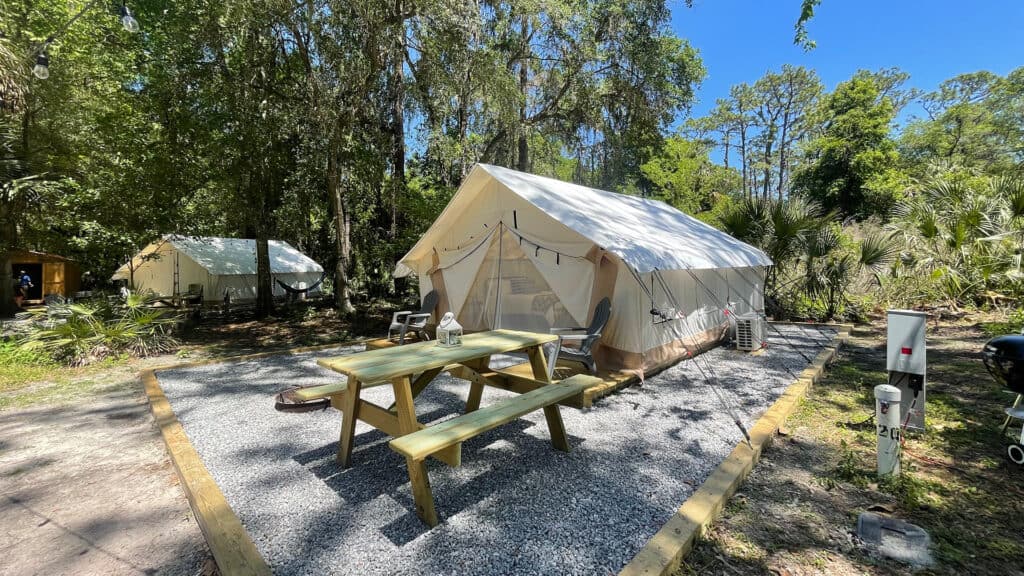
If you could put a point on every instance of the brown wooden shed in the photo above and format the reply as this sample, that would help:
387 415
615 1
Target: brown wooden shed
51 274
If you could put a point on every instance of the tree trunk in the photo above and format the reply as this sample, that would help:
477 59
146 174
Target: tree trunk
524 74
463 116
342 234
766 185
264 284
782 153
726 140
397 121
743 160
258 185
7 306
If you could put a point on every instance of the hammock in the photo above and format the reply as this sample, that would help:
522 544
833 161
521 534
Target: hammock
291 290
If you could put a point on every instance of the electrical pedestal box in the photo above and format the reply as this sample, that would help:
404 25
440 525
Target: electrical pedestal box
906 362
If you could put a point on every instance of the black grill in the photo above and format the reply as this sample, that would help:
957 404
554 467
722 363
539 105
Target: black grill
1004 358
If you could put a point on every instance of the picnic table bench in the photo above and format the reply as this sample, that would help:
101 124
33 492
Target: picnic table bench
416 447
410 368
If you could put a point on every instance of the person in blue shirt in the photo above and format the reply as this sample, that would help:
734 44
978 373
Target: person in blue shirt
24 283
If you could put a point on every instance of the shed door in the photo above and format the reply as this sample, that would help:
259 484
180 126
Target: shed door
53 278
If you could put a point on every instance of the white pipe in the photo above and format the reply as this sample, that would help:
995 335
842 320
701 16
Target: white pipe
889 432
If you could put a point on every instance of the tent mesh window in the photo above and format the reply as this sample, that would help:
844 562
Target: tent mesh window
527 301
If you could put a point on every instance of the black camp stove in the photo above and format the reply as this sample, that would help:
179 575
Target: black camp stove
1004 358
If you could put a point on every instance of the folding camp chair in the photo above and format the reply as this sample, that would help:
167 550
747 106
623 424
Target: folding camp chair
406 321
586 337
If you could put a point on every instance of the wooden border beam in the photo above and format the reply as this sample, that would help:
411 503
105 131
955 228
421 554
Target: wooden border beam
231 545
665 551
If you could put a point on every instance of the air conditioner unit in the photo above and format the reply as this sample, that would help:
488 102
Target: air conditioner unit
750 330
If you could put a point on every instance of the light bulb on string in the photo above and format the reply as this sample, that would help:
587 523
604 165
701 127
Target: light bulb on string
42 68
127 20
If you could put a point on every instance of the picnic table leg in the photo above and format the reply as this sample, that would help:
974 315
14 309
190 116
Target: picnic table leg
417 468
476 388
538 363
350 402
556 427
420 384
551 413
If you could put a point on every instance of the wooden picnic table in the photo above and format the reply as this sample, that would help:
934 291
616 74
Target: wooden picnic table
409 369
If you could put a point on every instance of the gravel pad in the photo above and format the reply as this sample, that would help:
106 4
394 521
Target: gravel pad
515 506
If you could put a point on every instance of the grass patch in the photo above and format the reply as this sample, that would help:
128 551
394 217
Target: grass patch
1012 324
849 468
20 367
29 377
956 482
64 389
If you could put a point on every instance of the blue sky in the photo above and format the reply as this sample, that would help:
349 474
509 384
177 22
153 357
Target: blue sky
740 40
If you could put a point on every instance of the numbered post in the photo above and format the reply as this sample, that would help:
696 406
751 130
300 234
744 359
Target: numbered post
887 416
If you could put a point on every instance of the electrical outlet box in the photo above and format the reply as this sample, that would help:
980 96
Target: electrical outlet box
906 361
906 351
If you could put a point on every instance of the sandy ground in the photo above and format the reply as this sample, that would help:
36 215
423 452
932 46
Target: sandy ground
89 489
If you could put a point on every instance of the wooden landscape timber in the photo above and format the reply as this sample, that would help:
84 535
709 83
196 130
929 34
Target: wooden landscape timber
232 548
666 549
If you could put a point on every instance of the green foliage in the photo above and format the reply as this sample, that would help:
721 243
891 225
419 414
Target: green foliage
20 367
759 128
974 120
963 237
85 333
1013 324
852 162
13 354
683 176
817 262
848 468
908 490
784 230
255 119
800 37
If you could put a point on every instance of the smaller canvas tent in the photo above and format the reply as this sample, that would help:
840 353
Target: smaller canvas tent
515 250
221 265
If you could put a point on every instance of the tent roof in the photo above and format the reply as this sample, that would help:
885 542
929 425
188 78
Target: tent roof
229 256
647 234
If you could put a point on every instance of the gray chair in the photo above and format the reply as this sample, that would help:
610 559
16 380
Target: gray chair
405 321
194 296
585 337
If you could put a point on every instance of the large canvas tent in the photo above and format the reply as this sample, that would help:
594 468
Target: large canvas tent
221 266
515 250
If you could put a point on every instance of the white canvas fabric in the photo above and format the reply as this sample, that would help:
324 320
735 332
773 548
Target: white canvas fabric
514 250
646 234
221 265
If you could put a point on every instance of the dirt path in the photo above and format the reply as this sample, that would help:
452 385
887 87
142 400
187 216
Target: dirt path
86 484
88 489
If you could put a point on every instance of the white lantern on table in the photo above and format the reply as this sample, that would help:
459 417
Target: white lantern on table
449 331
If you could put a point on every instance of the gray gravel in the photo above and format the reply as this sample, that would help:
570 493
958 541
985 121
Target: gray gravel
515 506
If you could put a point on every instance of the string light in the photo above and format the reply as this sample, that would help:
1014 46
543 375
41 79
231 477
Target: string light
127 20
41 69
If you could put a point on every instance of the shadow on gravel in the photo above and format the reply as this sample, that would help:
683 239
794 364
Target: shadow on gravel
516 505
